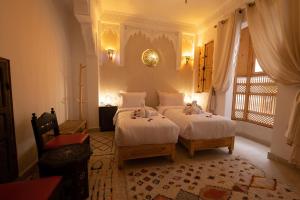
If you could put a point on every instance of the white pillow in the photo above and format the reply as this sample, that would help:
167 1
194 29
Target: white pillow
132 99
170 99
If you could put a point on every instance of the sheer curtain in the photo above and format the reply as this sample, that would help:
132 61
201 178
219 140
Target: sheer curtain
225 56
274 26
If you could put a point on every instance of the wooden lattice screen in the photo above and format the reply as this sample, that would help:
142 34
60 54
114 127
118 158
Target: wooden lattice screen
254 92
255 99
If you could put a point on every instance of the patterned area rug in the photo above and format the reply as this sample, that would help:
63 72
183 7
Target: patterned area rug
232 178
102 143
101 166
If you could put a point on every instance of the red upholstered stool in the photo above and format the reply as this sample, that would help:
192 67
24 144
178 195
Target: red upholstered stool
39 189
62 140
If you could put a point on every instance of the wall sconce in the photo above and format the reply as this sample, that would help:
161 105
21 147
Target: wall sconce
110 53
187 59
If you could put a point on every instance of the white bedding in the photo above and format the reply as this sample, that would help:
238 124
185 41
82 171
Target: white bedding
139 131
199 126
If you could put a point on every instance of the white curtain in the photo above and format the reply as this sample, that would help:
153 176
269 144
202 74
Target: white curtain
274 26
293 132
225 56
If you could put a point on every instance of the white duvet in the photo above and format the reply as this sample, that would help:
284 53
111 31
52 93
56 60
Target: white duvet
153 130
199 126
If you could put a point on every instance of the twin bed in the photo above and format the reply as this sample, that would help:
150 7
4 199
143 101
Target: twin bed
139 137
157 131
201 131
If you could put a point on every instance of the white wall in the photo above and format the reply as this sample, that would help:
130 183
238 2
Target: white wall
34 37
78 55
252 131
87 14
92 90
135 76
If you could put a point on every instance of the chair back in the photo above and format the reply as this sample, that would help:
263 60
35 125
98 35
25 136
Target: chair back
44 128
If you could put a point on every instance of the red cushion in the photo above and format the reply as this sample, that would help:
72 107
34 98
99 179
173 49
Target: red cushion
63 140
39 189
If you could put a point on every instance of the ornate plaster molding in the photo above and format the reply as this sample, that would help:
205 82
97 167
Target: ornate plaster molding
85 16
127 31
115 29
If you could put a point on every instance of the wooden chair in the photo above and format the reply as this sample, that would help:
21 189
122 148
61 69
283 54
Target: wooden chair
47 136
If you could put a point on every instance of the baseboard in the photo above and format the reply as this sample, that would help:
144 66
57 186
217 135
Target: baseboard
273 157
254 139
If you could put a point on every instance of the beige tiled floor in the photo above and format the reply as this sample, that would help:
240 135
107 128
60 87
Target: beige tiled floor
257 154
252 151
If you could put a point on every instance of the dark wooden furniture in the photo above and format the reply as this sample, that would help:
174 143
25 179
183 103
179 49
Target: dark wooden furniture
106 114
47 135
8 153
39 189
71 162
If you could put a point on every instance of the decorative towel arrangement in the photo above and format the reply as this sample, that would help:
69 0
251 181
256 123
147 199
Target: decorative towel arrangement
144 112
192 108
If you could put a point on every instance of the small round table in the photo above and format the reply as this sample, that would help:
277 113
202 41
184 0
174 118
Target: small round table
71 162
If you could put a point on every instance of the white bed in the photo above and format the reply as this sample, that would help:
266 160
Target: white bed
201 131
144 137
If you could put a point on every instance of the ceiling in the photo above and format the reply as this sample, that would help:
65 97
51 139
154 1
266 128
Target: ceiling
194 12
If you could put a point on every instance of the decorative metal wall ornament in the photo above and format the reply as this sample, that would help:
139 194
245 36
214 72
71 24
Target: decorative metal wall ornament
150 57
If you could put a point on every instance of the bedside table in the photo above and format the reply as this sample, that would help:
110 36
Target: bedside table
106 114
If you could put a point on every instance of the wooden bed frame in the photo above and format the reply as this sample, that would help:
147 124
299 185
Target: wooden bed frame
195 145
145 151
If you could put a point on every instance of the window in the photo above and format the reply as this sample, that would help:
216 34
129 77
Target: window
257 67
254 92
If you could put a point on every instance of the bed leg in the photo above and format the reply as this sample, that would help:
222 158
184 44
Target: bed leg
173 152
231 146
230 150
119 156
191 151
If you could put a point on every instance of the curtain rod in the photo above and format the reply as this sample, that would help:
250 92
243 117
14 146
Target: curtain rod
240 11
224 20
